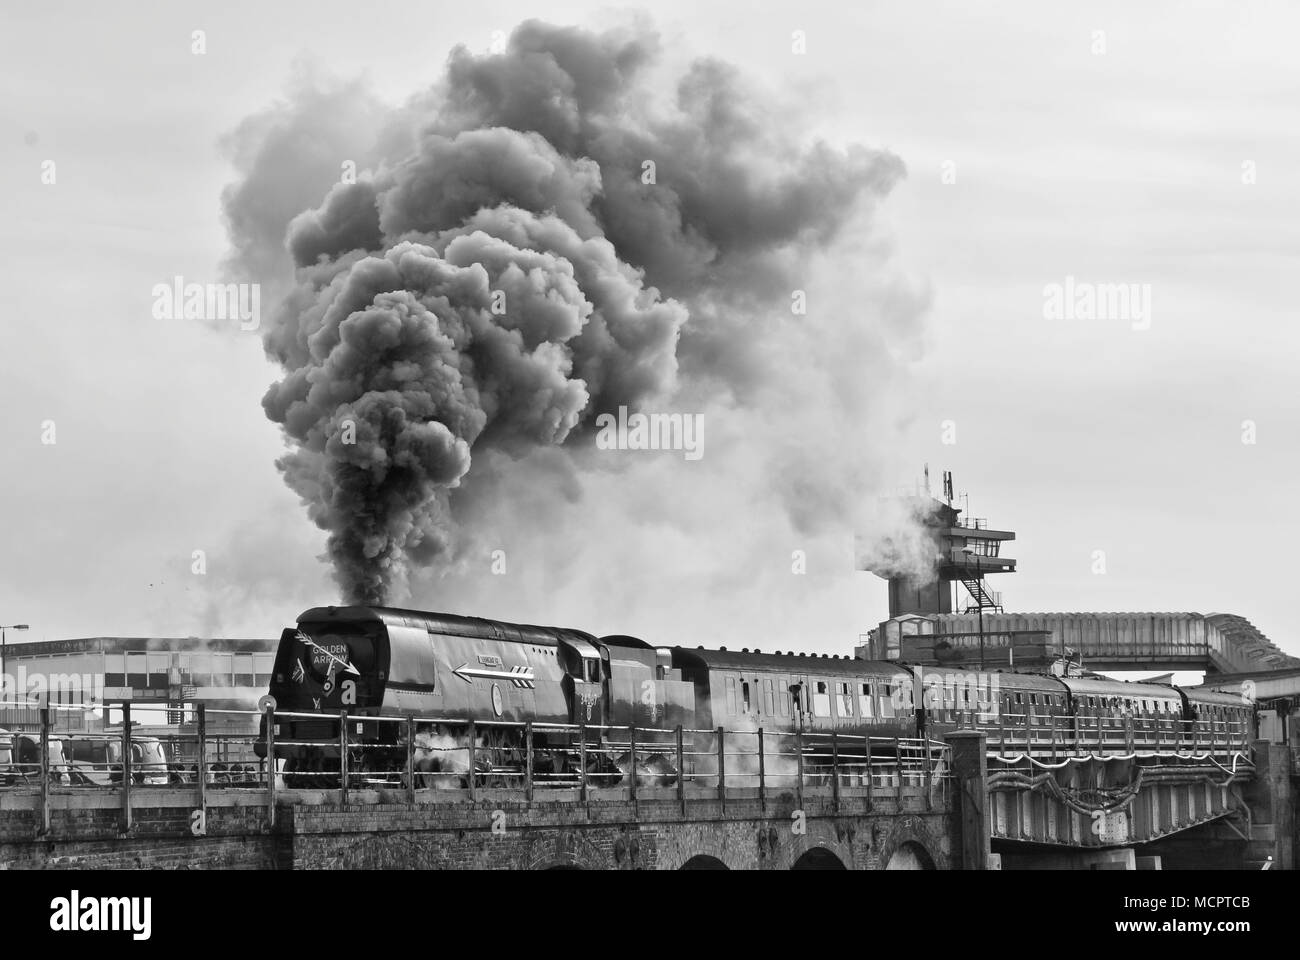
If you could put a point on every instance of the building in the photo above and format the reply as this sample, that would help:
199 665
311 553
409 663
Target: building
961 550
931 623
84 681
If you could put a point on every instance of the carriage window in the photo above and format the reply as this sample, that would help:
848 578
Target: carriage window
1033 699
846 700
731 695
864 702
1092 701
821 700
744 694
1019 699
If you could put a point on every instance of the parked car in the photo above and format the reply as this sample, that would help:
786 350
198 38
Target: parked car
6 757
26 759
98 759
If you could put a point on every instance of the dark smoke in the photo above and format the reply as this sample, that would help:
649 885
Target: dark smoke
520 173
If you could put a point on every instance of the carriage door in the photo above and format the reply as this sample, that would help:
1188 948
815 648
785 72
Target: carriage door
747 697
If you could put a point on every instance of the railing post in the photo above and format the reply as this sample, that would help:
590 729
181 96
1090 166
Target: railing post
410 761
528 761
929 774
722 767
473 760
681 773
126 767
1002 736
202 765
835 773
798 749
762 776
343 758
45 771
582 762
870 776
898 755
270 765
1128 733
631 749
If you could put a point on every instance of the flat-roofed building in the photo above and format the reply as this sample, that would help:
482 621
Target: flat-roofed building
84 680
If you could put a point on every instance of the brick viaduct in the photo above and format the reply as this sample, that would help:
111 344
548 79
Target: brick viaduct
490 833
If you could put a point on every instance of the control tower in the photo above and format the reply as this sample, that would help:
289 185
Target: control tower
965 551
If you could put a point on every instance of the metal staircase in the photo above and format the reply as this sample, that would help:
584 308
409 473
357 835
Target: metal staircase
982 600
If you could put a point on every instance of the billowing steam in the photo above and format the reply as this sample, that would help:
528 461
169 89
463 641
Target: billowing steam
901 540
442 758
538 240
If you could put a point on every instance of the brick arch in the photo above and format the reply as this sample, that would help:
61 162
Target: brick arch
678 850
909 855
821 834
566 849
914 832
703 861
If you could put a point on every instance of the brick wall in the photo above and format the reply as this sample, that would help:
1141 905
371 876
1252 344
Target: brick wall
161 838
498 833
604 836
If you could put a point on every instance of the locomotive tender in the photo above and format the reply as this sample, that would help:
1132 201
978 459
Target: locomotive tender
445 671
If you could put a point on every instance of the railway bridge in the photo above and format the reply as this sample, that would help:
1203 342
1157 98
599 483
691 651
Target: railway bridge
1039 795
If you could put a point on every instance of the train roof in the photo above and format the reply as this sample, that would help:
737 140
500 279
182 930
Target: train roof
1106 687
1210 695
444 623
1005 679
809 663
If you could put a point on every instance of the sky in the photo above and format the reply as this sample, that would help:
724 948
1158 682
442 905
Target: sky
1145 463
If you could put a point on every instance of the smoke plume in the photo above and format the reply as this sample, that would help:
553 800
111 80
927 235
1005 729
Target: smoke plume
539 239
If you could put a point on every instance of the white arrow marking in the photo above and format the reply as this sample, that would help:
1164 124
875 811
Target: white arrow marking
347 667
467 673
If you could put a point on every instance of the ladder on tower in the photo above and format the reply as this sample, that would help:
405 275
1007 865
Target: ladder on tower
982 599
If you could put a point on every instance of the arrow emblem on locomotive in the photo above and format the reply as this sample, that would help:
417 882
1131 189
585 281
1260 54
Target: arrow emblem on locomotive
323 655
519 676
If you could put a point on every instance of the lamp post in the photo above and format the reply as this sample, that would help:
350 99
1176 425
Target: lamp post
3 641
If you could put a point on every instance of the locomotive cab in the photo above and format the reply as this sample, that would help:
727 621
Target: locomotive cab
584 680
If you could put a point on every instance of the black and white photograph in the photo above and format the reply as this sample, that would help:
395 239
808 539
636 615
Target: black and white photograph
699 436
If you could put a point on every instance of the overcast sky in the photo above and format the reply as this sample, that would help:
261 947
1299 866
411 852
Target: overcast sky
1153 146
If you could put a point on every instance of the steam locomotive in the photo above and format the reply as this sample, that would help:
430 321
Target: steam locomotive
445 671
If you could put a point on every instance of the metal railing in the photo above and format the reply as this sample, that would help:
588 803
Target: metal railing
1058 736
431 760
